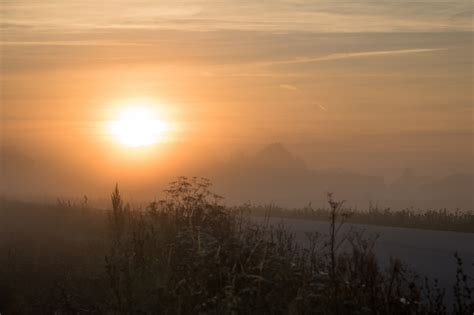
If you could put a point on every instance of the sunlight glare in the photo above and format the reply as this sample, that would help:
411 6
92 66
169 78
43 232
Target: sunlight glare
137 126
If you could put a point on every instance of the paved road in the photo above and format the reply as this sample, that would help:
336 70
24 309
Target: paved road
426 252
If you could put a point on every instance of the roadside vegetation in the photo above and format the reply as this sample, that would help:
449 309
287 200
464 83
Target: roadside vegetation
443 219
189 254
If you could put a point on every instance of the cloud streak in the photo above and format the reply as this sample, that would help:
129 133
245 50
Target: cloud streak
288 87
323 108
280 15
71 43
364 54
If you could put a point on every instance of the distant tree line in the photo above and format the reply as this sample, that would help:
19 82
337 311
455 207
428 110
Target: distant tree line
458 221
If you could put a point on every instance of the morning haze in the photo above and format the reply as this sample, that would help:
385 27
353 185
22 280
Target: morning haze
366 88
236 157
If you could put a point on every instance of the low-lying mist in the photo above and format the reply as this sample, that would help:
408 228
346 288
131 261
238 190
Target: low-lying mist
271 175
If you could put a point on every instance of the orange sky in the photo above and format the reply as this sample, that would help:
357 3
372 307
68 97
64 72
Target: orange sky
369 87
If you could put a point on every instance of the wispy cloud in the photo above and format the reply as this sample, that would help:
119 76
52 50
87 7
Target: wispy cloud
71 43
340 56
280 15
288 87
323 108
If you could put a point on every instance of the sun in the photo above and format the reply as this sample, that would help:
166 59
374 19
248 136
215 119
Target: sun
137 126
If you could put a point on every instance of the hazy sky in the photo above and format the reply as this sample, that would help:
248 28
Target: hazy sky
370 86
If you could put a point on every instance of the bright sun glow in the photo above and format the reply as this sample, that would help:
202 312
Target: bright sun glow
137 126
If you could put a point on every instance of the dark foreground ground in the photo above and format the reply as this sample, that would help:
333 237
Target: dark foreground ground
188 254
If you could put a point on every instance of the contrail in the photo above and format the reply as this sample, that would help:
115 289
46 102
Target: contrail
324 108
340 56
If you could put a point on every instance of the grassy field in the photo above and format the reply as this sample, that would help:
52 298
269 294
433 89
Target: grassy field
189 254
